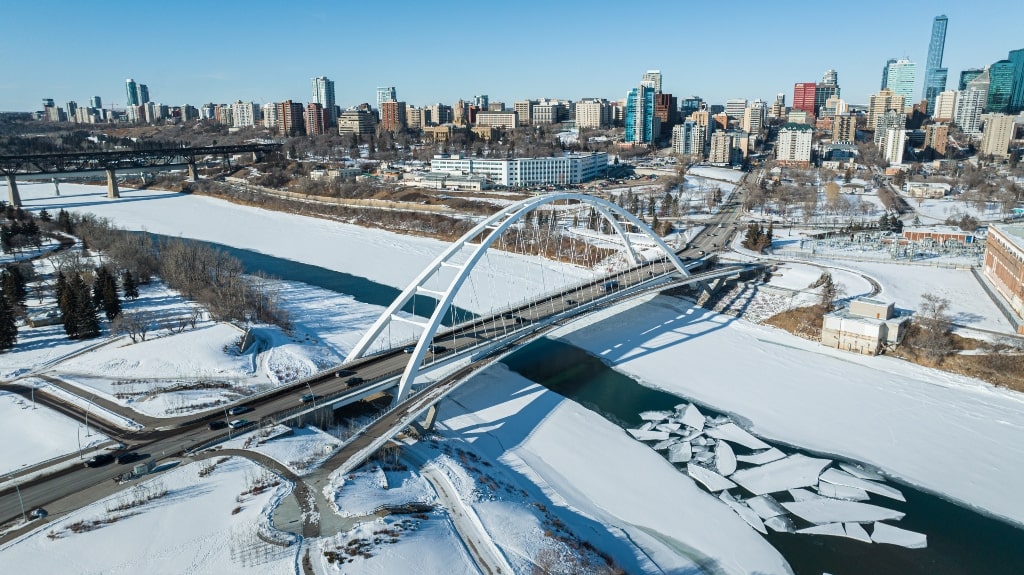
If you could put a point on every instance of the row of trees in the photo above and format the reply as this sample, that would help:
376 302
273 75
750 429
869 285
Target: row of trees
13 291
758 238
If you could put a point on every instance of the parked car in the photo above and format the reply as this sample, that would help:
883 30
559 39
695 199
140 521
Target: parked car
356 380
37 513
99 460
343 373
238 410
308 398
238 423
217 424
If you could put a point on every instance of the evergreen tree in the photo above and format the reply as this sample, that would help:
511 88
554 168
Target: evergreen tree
44 216
66 300
13 285
883 223
131 289
8 327
828 293
85 324
64 222
97 285
111 301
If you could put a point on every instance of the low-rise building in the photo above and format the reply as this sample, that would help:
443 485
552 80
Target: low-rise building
506 119
561 170
930 190
867 326
1004 265
356 122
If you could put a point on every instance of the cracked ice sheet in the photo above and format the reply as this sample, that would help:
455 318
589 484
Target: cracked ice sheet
765 506
856 531
838 477
746 513
692 417
709 479
725 459
791 472
762 457
883 533
736 434
826 510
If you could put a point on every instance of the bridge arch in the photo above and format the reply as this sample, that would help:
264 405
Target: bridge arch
496 225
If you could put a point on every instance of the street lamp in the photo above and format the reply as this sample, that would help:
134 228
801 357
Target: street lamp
21 501
311 395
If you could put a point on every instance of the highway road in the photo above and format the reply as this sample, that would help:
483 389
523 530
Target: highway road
72 488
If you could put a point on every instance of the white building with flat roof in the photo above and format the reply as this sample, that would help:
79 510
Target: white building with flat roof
560 170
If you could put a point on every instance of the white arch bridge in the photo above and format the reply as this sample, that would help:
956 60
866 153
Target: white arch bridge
453 267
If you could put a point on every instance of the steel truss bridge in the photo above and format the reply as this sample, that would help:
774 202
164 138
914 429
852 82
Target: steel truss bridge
110 162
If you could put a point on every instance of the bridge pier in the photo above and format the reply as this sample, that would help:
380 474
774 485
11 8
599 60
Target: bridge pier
13 197
431 418
112 191
56 186
192 173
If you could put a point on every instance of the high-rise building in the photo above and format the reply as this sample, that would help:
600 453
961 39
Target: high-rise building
323 94
95 102
315 119
244 114
481 101
881 103
734 108
999 130
506 119
945 106
885 73
890 119
386 94
721 148
1000 87
892 145
642 126
72 109
793 146
936 139
803 96
689 138
291 118
1017 97
934 73
900 78
830 77
689 106
593 113
132 91
754 117
392 116
822 92
778 107
969 105
844 128
269 113
142 93
354 122
652 79
968 75
666 109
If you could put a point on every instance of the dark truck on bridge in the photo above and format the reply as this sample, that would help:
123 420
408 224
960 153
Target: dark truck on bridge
610 285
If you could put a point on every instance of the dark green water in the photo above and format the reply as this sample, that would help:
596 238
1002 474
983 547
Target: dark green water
959 540
362 289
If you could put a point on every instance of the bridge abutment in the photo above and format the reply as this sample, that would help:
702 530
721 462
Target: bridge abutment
13 197
112 191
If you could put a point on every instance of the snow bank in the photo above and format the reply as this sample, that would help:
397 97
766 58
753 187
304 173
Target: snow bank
32 436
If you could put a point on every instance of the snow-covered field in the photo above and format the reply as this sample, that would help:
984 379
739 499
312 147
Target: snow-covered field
199 525
362 492
41 434
950 434
300 449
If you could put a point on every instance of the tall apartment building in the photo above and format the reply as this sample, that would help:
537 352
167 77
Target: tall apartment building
547 114
316 119
652 79
689 106
1016 57
356 122
291 118
413 117
945 106
804 94
900 78
507 119
269 113
881 103
392 116
970 103
323 94
999 131
778 107
642 126
793 146
754 117
225 114
482 101
890 119
844 128
439 114
892 145
96 102
936 140
244 114
885 73
666 109
689 138
593 113
934 74
138 94
189 113
721 148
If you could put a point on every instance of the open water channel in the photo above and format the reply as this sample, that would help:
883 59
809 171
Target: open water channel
960 540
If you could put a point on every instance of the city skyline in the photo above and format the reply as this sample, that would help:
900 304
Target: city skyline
207 61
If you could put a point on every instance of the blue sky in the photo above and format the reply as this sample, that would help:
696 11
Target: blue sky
195 52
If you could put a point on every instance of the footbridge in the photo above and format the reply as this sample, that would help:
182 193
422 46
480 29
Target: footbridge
69 163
